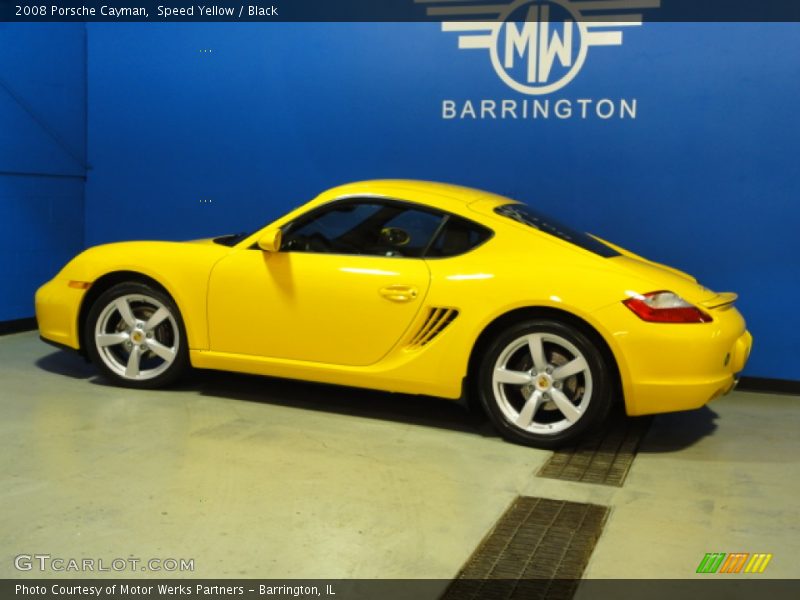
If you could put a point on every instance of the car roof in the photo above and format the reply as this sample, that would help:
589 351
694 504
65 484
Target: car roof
442 195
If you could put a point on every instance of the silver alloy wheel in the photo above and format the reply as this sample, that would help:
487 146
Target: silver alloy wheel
137 337
542 383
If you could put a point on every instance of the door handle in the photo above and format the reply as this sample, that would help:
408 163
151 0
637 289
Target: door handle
399 293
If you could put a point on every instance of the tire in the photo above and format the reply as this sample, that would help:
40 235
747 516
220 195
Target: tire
134 333
544 383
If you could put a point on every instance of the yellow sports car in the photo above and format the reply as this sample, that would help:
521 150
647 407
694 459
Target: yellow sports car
414 287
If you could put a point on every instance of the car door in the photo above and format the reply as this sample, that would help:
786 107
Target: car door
344 288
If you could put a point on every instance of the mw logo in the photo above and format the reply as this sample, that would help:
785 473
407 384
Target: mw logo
735 562
538 46
535 42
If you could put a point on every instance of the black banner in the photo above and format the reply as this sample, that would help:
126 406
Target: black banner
381 10
710 588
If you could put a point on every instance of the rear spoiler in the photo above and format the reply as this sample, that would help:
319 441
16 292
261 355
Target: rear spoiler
721 299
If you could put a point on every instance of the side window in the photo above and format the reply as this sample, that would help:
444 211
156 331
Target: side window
457 237
328 229
368 227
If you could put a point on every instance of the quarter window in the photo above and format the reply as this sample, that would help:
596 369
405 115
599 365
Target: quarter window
458 236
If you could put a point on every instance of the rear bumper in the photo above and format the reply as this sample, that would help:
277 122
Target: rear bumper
741 351
667 368
661 397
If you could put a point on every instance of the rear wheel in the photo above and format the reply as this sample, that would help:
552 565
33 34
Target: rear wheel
544 383
135 335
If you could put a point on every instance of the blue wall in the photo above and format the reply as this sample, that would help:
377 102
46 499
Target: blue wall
258 118
42 157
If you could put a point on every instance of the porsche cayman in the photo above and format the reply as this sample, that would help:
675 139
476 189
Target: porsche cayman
412 287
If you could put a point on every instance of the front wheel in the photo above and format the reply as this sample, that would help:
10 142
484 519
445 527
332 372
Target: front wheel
135 335
544 383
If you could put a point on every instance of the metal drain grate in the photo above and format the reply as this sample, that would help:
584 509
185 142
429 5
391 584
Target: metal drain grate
538 549
604 458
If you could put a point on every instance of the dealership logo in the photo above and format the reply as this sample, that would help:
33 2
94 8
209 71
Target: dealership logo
733 563
537 47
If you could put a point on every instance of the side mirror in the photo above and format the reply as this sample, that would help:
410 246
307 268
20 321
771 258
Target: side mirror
271 240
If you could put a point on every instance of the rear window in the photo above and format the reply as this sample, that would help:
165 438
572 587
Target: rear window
523 213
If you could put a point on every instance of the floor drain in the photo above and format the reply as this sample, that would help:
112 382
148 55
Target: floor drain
537 550
604 457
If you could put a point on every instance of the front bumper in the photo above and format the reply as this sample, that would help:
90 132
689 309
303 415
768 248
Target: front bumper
57 310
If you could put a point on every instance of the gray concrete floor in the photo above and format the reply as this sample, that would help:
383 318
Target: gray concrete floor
256 477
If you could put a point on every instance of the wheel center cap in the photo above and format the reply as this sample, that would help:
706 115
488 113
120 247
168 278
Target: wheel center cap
543 382
137 337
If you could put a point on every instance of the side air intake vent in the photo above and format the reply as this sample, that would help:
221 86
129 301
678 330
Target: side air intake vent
435 323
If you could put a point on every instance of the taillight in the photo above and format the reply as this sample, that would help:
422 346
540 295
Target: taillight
665 307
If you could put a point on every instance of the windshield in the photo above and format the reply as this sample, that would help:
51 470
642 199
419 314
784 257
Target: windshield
523 213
